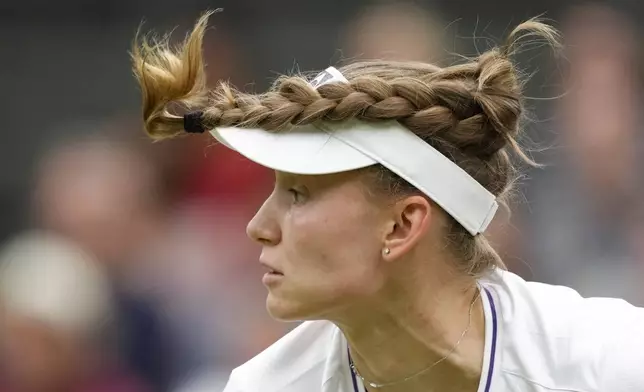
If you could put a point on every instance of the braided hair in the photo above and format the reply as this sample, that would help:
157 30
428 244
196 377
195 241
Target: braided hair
470 112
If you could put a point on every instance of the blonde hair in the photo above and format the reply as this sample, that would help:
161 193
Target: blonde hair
470 112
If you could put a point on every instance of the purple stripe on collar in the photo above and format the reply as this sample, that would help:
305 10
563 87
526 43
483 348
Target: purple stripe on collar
353 374
355 382
490 372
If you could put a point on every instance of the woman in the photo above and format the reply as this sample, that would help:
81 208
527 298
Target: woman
387 174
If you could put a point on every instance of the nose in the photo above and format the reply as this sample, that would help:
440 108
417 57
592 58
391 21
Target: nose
264 227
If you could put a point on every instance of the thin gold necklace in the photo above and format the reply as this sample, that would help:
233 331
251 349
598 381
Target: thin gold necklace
382 385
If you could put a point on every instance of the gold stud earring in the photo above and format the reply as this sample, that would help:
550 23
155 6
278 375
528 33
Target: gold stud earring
386 251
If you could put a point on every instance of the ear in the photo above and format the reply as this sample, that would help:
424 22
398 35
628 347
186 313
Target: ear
410 222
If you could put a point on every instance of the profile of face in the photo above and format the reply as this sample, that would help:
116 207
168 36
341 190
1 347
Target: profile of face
324 236
321 234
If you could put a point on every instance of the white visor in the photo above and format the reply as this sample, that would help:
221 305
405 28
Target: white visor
327 148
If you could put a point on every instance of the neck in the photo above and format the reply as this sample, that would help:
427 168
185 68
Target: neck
422 328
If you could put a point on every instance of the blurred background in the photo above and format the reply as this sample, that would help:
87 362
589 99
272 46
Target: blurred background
124 264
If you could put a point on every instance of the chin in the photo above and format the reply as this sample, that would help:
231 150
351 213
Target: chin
289 310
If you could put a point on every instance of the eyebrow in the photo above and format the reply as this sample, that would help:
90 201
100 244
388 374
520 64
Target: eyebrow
287 176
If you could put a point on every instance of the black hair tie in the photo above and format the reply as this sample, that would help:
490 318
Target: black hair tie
193 122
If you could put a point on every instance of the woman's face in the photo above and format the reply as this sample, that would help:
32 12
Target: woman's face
324 235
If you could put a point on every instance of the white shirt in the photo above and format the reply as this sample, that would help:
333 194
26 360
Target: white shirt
538 338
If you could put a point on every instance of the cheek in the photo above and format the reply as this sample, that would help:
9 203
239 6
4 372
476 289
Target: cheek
337 242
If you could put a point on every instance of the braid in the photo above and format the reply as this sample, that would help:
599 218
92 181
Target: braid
464 111
476 105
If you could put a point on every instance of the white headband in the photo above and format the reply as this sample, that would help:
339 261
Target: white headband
327 148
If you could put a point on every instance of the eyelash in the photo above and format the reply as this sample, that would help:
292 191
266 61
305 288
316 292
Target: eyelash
297 196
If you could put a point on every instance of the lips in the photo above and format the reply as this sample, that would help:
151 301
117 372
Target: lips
273 277
271 270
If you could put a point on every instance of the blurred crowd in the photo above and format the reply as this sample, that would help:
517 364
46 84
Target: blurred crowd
133 272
